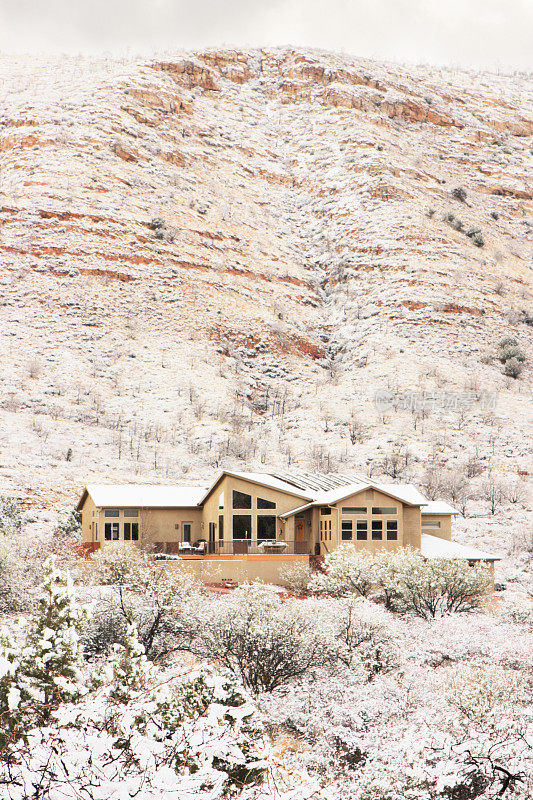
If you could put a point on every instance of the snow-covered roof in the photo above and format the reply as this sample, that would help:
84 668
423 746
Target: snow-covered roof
263 479
144 495
438 507
435 547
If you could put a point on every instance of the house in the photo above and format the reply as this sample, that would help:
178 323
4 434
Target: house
248 525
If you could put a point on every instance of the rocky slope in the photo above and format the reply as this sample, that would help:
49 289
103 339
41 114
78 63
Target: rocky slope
219 257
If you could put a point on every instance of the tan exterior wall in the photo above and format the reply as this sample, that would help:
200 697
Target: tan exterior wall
445 529
239 568
228 484
155 524
411 527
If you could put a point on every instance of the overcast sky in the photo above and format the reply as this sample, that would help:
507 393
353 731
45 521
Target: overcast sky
490 34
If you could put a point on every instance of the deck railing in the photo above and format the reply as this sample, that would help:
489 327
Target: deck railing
243 547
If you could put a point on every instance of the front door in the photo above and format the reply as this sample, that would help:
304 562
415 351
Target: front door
300 543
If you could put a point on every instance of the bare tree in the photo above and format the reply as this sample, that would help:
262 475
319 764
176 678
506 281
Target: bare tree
493 491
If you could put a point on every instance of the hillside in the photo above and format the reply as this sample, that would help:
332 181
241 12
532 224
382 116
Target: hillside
219 257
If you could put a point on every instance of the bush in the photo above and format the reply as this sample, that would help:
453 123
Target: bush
296 578
511 351
10 516
460 194
512 368
156 597
476 236
406 581
262 640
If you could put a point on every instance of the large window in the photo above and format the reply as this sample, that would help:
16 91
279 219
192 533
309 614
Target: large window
262 503
362 529
430 523
131 531
392 530
354 509
111 531
242 526
266 526
111 512
377 529
325 511
383 510
131 512
346 530
241 500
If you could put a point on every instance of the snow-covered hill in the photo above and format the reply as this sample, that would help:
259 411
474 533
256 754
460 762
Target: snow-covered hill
220 257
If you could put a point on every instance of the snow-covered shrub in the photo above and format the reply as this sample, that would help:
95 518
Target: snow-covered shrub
194 737
70 527
347 571
296 577
158 598
10 516
365 636
263 640
407 581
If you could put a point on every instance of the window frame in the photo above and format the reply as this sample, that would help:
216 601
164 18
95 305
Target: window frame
271 517
360 526
377 526
383 511
346 526
354 509
392 527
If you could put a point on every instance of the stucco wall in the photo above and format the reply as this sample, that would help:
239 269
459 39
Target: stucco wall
238 568
445 530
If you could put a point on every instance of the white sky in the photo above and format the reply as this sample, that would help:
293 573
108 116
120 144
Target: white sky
488 34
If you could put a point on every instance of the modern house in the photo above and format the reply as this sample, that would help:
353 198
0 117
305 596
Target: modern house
250 525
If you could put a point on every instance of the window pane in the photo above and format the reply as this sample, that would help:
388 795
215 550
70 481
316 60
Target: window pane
241 500
383 510
221 500
107 531
262 503
131 512
362 529
377 529
114 528
127 531
186 531
430 523
325 511
111 512
354 510
242 526
221 527
392 529
266 527
135 531
346 529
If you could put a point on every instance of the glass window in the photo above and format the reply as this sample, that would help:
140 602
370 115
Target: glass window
221 528
325 511
242 526
383 510
111 531
266 526
241 500
354 509
430 523
392 529
186 529
221 500
262 503
127 531
346 529
135 531
131 512
377 529
111 512
362 529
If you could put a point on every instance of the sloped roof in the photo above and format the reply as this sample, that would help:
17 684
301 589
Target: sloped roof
143 495
435 547
438 507
263 479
